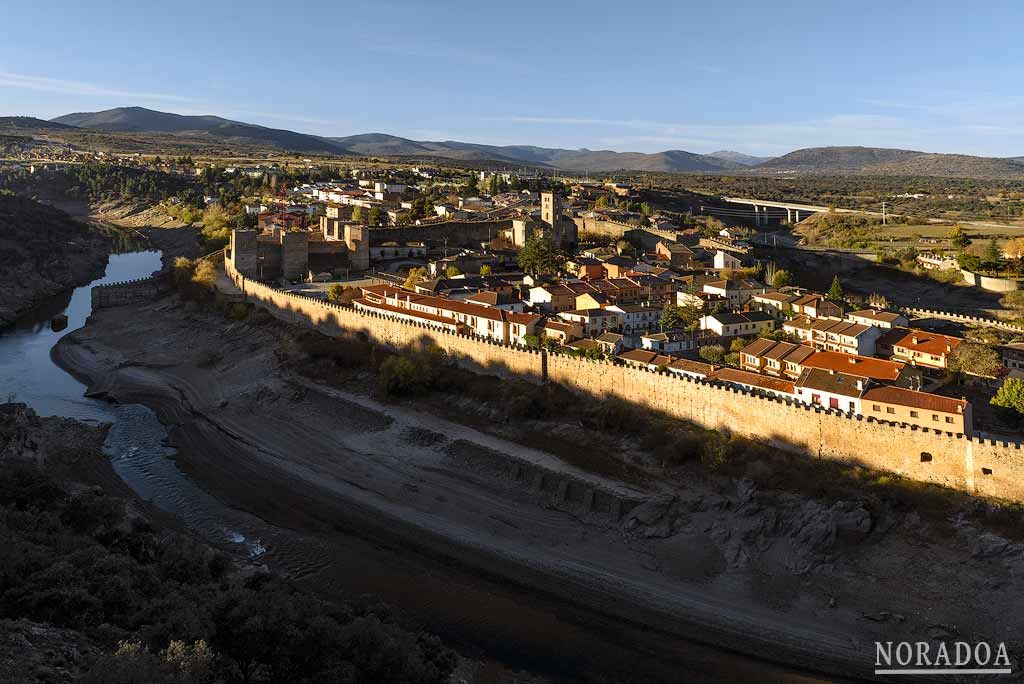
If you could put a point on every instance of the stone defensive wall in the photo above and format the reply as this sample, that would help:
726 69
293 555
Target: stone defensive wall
981 321
602 226
457 233
969 463
130 291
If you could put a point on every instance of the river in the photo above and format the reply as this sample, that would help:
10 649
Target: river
136 442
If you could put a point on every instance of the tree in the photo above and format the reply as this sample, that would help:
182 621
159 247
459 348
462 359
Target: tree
540 255
972 358
1014 249
781 278
341 294
602 202
958 237
713 353
1010 396
968 261
453 271
415 275
835 291
993 257
674 317
357 214
377 217
877 301
486 270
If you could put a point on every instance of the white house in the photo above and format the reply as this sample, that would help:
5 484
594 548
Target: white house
725 260
737 324
831 389
637 317
594 321
671 342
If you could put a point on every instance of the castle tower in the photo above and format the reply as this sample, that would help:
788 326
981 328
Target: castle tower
295 255
550 208
244 252
358 243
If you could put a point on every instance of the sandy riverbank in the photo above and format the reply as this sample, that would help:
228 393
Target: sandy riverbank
383 498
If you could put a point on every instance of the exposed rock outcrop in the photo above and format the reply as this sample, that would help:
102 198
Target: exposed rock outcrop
43 252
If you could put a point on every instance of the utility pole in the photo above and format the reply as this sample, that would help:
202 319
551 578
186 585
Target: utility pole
883 213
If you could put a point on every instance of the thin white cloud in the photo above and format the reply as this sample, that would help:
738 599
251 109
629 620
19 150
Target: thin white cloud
65 87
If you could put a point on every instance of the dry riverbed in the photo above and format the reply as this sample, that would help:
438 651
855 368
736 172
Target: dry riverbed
396 500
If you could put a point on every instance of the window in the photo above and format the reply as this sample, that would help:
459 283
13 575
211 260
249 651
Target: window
986 471
890 409
926 457
876 408
949 419
914 414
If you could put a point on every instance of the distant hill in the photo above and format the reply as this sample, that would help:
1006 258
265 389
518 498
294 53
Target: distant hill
217 134
24 123
142 120
739 157
835 159
381 144
892 162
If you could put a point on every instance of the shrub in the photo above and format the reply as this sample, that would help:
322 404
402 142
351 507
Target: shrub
182 271
205 274
713 353
413 371
238 312
715 451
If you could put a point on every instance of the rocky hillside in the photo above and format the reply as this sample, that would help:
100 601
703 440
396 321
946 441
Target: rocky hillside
43 251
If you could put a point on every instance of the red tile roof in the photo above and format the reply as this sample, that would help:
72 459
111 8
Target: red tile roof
921 400
740 377
865 366
922 341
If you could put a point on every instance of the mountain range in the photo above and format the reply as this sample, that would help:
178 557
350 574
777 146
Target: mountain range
815 160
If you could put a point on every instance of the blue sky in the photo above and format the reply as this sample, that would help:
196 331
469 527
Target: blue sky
757 77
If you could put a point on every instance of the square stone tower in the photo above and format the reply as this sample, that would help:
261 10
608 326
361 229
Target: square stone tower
550 208
244 253
295 255
357 239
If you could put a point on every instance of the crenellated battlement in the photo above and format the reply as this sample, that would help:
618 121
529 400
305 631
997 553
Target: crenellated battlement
955 460
130 291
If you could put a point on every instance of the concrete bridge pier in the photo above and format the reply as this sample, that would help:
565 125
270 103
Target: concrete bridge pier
757 216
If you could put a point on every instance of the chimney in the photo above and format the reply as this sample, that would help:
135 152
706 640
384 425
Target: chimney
860 385
949 347
831 371
914 339
852 360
